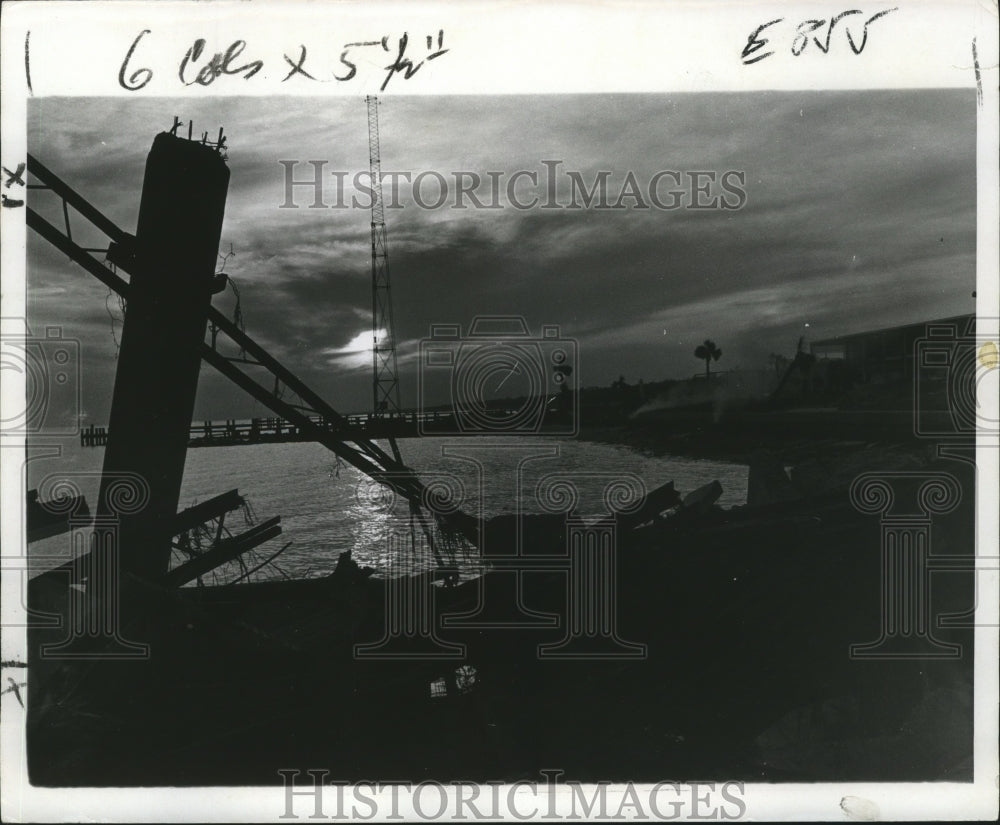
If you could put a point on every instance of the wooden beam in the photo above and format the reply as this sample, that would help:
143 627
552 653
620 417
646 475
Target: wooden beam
213 508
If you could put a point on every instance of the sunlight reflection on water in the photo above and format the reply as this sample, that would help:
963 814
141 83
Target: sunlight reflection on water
327 508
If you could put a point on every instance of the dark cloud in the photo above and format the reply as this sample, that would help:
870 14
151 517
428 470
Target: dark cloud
860 212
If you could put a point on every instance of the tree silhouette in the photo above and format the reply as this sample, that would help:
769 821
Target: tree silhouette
708 352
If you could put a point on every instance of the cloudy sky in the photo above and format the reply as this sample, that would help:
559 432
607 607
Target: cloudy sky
859 213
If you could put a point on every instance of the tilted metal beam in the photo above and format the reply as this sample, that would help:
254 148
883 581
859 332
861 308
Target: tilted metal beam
75 253
78 202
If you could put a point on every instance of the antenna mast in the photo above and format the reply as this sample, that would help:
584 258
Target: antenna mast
385 387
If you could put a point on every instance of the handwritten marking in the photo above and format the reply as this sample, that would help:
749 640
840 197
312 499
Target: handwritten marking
352 68
133 83
218 65
27 61
222 63
10 203
754 44
405 65
15 688
868 22
805 34
14 177
979 75
825 45
297 67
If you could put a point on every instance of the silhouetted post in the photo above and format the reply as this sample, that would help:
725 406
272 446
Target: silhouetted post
177 244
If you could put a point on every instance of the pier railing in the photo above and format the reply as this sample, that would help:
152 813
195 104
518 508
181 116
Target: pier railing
265 430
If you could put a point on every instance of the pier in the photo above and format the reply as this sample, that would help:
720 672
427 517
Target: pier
234 432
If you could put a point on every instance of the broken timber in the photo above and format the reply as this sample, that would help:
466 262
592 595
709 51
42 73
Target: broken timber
188 519
212 508
225 550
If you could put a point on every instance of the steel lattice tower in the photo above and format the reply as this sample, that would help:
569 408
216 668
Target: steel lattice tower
385 388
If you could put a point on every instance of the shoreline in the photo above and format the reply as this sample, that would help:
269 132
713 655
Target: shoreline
816 462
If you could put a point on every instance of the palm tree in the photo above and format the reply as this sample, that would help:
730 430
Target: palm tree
708 352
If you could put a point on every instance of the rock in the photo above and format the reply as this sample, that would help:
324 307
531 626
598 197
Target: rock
768 482
701 500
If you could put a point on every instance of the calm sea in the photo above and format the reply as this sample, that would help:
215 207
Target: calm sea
327 507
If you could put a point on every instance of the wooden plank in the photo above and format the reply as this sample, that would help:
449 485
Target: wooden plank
213 508
660 499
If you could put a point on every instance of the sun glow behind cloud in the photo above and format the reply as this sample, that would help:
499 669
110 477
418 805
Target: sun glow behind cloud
356 353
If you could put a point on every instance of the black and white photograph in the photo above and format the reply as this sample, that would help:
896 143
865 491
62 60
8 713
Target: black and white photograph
566 454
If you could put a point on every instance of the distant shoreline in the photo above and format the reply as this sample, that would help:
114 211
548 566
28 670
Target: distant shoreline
821 458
